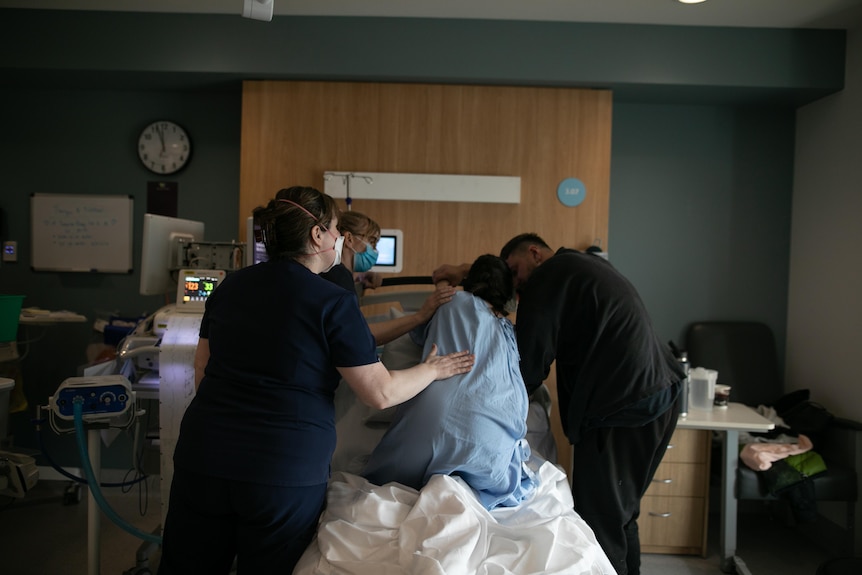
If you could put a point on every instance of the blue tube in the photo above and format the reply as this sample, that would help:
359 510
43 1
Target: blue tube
95 490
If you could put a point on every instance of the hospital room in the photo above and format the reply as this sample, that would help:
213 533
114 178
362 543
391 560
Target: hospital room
703 153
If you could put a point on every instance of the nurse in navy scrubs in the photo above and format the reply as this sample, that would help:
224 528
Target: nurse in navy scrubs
252 458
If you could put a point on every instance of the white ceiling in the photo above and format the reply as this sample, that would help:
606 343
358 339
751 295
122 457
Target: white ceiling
745 13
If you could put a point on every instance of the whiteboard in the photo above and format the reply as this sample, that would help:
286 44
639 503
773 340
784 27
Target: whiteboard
75 233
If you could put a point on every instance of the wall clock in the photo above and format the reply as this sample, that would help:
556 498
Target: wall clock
164 147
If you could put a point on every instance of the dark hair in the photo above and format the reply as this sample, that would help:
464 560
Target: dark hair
521 242
490 279
285 226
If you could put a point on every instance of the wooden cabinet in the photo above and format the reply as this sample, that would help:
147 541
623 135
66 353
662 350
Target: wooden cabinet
674 509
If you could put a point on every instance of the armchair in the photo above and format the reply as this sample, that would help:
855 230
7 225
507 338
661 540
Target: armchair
744 354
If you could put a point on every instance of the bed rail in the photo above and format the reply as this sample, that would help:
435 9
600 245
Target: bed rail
409 300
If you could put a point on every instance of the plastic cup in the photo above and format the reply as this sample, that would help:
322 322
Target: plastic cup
702 388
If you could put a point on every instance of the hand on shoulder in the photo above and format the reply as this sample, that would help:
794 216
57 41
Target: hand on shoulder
450 273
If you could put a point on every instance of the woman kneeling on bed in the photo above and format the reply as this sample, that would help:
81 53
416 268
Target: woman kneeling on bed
471 425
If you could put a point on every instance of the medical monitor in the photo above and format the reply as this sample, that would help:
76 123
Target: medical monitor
195 286
390 250
160 251
255 252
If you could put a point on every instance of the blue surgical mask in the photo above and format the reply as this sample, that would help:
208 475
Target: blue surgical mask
365 260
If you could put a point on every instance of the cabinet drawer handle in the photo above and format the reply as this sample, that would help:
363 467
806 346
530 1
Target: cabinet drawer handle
662 480
654 514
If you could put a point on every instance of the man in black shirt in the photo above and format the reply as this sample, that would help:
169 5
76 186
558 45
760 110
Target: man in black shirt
616 383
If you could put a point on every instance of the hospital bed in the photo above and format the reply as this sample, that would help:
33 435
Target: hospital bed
442 528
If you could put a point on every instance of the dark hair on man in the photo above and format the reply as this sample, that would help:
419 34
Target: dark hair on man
522 242
490 279
285 226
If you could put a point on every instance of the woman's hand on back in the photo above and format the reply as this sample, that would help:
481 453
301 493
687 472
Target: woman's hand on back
450 364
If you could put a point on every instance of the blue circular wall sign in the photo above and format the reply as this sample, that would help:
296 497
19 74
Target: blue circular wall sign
571 192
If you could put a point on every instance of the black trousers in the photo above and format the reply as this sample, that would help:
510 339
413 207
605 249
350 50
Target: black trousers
210 521
612 469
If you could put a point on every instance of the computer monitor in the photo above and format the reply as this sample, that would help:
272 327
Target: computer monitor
390 250
159 249
255 252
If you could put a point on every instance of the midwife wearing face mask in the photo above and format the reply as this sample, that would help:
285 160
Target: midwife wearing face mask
359 255
252 459
361 235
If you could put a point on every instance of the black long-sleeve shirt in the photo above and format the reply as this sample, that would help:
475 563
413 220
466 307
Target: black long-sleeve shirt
611 368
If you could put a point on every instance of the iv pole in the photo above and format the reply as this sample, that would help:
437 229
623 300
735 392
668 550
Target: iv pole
347 177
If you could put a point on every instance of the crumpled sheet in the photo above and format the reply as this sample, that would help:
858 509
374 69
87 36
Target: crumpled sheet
443 529
759 453
761 456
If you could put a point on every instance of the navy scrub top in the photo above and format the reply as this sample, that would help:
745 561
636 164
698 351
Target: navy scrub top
264 411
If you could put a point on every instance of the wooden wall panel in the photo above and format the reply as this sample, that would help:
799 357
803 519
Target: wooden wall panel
292 132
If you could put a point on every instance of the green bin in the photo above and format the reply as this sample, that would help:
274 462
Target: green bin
10 311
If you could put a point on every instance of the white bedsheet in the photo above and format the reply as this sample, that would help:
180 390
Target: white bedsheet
442 529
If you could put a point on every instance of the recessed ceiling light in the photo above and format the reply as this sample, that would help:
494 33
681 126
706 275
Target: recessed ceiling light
691 1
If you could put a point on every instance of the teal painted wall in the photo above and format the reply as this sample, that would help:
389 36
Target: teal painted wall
84 142
700 212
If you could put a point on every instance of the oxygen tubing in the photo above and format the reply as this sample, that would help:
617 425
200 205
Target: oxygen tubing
95 490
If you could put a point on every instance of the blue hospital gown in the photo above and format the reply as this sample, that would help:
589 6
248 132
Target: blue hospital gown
471 425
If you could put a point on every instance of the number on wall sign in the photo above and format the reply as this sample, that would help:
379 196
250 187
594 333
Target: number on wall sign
571 192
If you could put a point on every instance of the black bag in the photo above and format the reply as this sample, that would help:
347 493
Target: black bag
810 419
790 479
803 415
786 473
792 399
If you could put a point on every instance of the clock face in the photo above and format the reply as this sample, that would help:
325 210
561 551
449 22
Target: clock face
164 147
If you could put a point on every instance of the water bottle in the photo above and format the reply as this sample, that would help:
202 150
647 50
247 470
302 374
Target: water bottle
682 358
